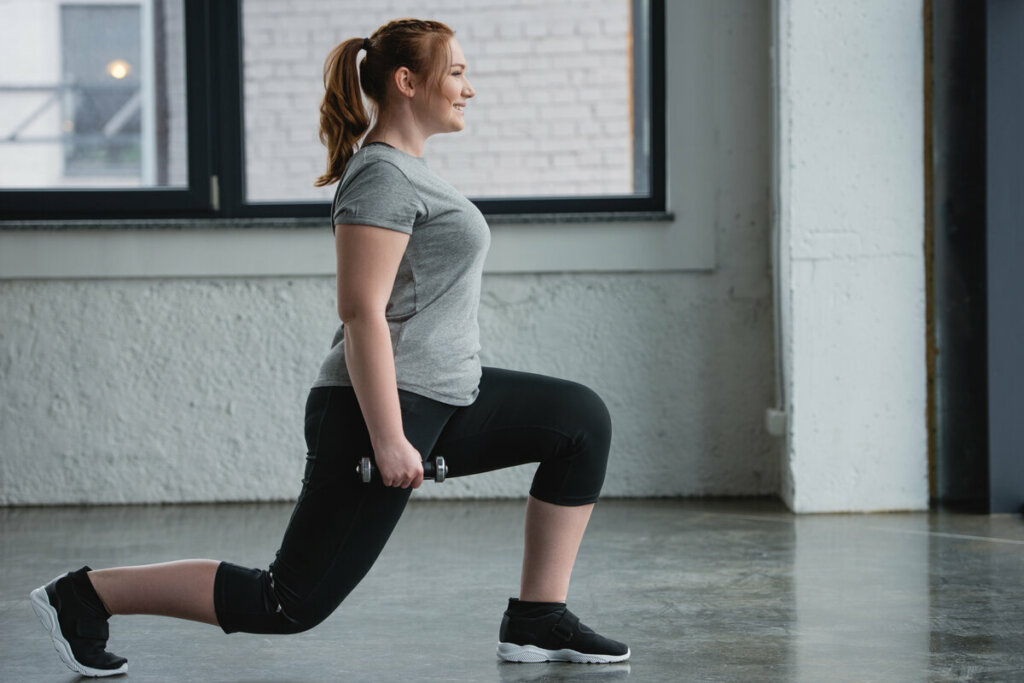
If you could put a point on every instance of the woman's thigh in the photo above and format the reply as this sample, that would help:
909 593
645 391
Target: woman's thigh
340 525
522 417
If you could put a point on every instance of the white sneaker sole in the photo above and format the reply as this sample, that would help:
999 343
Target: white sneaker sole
48 615
510 652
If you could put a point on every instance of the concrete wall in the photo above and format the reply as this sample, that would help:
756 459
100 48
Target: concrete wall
850 192
178 390
179 384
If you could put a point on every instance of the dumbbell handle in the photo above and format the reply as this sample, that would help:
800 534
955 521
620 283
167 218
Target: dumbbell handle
437 471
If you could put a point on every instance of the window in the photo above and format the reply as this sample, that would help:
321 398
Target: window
569 114
101 103
91 95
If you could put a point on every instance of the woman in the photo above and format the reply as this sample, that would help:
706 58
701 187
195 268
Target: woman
402 381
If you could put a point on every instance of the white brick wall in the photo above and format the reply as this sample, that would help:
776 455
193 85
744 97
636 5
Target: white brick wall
551 115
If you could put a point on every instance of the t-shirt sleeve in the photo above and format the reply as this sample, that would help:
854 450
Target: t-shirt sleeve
379 194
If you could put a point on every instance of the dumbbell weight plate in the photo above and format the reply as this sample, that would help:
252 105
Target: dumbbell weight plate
365 470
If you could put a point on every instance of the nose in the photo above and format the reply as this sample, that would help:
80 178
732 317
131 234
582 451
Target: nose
468 90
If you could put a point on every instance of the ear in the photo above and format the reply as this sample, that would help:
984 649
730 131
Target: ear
404 81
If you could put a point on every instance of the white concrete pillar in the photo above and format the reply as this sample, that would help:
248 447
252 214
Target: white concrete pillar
849 257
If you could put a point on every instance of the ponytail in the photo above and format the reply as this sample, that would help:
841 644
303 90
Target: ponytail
343 118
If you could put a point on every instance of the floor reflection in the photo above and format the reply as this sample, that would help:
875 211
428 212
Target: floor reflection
861 599
978 577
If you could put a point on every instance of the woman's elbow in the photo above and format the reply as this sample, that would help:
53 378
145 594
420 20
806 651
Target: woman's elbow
348 315
356 314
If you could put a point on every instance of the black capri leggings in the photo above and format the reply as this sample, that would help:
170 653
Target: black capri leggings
340 525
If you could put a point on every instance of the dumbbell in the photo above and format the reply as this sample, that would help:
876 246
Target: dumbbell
437 471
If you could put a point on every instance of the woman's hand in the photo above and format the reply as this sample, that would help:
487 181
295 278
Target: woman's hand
399 463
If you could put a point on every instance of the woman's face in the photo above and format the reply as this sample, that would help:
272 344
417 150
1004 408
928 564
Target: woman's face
443 111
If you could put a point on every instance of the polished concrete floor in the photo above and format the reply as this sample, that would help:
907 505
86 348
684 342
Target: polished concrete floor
702 591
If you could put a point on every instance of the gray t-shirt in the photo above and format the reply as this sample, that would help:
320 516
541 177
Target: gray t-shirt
432 312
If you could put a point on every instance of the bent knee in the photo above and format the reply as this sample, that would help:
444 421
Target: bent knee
593 422
246 601
289 624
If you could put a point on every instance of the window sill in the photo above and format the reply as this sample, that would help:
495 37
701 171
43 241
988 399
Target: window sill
560 218
287 247
303 223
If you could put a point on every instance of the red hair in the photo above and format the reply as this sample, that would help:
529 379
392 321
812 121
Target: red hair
421 46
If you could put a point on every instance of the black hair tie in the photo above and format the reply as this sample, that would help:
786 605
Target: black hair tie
366 44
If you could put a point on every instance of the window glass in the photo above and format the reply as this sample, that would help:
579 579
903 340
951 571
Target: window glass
92 94
560 108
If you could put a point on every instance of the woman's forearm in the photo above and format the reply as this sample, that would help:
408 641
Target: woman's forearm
371 367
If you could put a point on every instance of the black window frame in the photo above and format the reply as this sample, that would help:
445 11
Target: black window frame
216 145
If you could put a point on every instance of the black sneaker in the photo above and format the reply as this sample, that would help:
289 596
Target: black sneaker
77 621
549 632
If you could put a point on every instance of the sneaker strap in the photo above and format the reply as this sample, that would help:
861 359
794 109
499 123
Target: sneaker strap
565 629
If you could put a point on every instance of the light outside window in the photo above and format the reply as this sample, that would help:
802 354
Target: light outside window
92 95
101 106
561 108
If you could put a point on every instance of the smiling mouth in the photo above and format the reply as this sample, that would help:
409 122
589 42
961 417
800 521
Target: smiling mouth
459 107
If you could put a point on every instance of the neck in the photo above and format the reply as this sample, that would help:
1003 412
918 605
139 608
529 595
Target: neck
401 132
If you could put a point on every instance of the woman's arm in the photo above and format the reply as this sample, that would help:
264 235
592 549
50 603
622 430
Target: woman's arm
368 260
